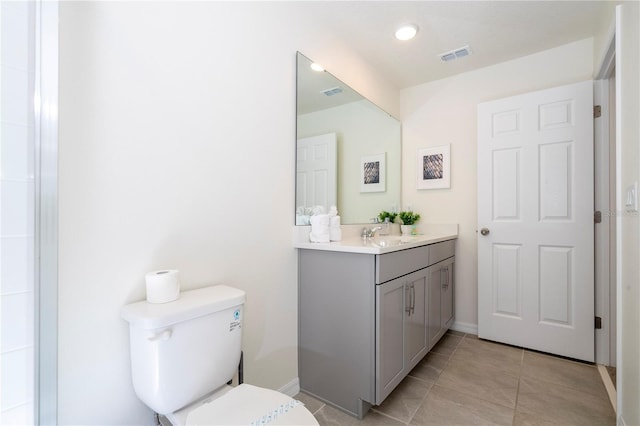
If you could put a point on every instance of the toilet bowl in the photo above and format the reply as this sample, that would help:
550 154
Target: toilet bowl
183 354
245 405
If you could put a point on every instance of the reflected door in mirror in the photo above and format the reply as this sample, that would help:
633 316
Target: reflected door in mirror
316 178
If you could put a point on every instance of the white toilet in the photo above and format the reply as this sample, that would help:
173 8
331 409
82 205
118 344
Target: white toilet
184 352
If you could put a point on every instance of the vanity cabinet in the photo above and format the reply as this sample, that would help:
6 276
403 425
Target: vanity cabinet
365 320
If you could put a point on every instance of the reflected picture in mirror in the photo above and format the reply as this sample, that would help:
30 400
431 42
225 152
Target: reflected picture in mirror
373 173
337 129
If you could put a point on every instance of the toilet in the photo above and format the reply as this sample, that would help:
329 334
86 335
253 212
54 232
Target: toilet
184 352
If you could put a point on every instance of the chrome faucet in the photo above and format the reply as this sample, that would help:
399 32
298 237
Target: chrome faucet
370 232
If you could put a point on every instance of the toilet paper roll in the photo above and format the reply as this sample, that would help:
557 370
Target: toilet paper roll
162 286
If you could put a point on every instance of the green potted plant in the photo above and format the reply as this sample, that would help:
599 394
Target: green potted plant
387 215
409 220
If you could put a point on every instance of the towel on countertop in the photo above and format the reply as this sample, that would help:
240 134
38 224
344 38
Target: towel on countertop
320 229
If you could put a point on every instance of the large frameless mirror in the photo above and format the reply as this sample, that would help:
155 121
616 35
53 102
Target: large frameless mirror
348 150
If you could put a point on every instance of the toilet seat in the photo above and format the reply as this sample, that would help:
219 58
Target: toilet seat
251 405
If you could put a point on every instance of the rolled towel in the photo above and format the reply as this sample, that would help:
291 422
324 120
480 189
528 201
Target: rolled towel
302 219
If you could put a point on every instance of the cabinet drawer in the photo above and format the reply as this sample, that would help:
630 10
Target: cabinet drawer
396 264
441 251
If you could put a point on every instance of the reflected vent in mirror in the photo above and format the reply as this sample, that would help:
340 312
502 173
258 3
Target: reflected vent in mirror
332 91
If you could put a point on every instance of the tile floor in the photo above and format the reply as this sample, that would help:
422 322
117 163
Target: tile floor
467 381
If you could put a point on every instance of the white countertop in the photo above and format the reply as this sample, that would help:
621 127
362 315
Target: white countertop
353 243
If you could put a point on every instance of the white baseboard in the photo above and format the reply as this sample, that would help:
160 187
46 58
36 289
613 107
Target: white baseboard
292 388
608 384
465 327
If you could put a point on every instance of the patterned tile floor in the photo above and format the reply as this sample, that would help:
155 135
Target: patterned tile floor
467 381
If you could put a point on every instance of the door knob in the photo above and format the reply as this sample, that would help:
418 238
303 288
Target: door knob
485 231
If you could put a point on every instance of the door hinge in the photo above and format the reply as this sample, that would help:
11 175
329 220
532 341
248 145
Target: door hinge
598 323
597 111
597 217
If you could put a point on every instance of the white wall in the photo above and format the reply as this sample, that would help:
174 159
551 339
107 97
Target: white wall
604 33
628 143
177 151
444 112
17 221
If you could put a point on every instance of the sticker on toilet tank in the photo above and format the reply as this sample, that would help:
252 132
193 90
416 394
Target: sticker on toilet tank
236 323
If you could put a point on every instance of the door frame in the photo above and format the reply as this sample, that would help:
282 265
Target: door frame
604 192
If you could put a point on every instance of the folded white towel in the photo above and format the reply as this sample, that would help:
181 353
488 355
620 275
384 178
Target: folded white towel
320 221
321 238
319 229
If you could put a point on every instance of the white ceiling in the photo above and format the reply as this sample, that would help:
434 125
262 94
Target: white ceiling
496 31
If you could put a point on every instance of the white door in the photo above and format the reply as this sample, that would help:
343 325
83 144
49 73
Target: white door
535 221
316 179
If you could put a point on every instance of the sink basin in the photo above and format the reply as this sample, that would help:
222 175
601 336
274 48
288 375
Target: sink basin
392 240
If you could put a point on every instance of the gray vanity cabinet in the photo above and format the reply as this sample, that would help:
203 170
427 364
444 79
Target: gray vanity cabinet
365 319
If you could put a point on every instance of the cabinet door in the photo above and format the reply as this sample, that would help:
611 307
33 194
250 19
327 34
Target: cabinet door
390 313
401 329
416 333
446 294
435 311
440 299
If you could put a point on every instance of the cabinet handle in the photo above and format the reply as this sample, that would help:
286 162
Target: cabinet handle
445 282
407 298
413 298
410 305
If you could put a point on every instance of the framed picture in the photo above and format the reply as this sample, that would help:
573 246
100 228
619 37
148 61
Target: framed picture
434 167
373 173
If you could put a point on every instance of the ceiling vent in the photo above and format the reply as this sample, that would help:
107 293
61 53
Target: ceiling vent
460 52
332 91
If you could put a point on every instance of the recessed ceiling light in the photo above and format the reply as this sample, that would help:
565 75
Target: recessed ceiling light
406 32
317 67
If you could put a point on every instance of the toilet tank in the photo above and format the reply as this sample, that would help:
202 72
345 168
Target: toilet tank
185 349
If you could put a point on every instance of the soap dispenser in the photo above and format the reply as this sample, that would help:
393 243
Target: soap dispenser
386 227
335 230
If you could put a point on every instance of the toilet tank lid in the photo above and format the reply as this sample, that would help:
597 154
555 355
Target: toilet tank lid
191 304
